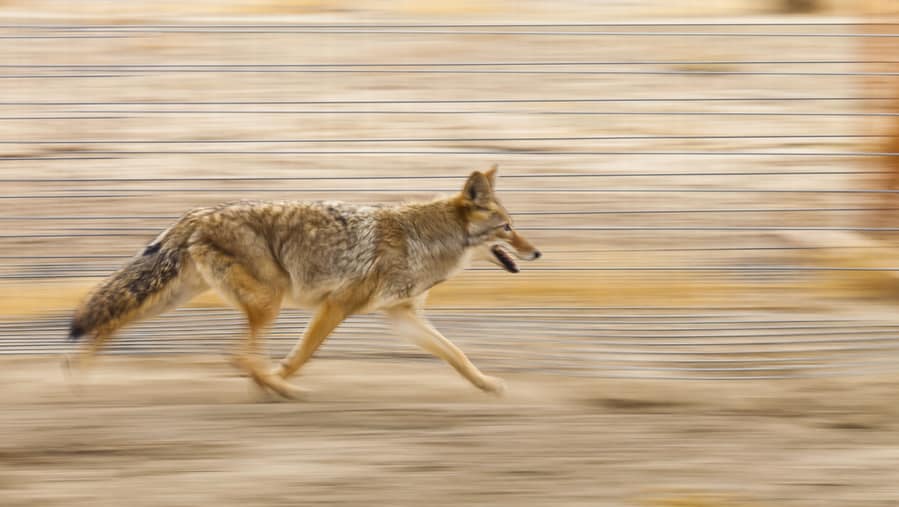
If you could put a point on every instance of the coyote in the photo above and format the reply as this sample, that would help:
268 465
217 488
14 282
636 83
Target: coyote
335 257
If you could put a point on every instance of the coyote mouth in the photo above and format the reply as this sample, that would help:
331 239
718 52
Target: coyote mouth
504 258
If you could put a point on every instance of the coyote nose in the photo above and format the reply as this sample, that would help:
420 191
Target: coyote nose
536 255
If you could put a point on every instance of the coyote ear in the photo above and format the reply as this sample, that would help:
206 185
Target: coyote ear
491 176
477 189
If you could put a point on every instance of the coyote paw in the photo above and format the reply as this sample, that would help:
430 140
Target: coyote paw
256 370
273 385
493 385
285 389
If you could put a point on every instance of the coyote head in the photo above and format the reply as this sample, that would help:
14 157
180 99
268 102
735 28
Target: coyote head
489 226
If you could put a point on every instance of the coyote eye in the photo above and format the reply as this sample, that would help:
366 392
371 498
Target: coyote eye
507 228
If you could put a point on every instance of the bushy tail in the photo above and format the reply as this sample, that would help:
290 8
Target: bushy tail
130 292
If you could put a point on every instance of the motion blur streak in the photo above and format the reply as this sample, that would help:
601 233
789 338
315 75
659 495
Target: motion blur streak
713 188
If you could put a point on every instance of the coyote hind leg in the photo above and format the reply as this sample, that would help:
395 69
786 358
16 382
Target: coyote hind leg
326 319
260 302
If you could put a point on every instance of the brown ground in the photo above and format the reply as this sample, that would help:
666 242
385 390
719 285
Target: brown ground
185 431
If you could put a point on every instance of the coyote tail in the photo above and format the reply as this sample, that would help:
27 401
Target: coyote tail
134 289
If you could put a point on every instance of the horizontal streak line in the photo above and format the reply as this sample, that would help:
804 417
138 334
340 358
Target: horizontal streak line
698 268
60 76
176 66
365 30
599 250
443 190
133 72
521 213
709 228
95 271
98 36
563 252
393 111
13 158
439 101
4 118
150 232
448 139
69 217
66 196
90 27
106 155
414 177
675 211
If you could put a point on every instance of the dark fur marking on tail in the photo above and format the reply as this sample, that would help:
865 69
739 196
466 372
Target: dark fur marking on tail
149 275
152 249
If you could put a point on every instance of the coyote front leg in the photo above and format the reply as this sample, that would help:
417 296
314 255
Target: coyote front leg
410 324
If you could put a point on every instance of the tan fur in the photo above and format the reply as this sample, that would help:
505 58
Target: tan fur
335 257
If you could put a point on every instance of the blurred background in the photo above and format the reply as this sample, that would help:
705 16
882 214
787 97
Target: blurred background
713 185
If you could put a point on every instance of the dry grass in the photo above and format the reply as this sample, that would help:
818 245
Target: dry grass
526 290
859 252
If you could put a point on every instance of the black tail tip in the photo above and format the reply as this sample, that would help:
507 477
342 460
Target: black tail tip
75 332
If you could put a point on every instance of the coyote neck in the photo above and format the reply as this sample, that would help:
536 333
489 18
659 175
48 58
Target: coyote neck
433 239
434 231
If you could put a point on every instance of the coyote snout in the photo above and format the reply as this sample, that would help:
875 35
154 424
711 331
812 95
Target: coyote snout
338 258
507 239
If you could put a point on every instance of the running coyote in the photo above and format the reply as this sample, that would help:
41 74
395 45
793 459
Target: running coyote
337 258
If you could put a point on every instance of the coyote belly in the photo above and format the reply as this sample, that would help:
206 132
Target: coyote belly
337 258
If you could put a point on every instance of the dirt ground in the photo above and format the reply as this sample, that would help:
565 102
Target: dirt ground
186 431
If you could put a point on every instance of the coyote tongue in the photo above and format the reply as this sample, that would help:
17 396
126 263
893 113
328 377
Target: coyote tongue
504 258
